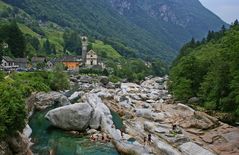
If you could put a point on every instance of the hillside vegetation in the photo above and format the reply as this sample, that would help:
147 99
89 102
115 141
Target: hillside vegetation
15 88
134 28
209 70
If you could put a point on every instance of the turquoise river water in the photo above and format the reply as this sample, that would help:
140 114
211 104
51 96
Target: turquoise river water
46 138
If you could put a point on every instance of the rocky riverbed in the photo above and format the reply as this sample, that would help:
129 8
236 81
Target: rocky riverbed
145 108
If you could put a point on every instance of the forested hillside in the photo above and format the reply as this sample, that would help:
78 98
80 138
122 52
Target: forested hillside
133 28
208 69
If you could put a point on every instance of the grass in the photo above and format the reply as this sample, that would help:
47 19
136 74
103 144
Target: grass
55 37
101 48
27 30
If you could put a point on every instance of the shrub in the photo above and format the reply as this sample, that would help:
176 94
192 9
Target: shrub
12 109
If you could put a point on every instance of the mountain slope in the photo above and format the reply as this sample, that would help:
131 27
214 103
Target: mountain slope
146 28
209 70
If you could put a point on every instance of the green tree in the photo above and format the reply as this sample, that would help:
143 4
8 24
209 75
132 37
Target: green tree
47 46
59 79
72 41
13 112
16 40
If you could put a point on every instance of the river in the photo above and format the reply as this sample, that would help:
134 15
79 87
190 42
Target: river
46 138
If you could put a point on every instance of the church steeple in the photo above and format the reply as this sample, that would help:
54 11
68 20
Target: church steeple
84 41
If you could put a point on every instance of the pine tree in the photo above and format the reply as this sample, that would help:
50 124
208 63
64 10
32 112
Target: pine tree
236 22
1 50
223 29
16 40
47 46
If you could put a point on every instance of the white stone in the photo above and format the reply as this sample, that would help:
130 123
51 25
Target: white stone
71 117
75 95
27 131
191 148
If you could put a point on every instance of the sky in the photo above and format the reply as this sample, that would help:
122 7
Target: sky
227 10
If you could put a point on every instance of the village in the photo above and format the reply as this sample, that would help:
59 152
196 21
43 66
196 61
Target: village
88 59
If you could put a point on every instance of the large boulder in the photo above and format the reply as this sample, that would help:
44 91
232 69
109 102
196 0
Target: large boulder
95 121
125 101
76 95
200 120
86 79
145 113
191 148
149 127
42 100
71 117
130 87
27 131
166 149
184 108
193 100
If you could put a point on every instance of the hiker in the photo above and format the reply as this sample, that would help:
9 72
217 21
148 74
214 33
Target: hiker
174 127
103 137
108 138
122 134
92 138
149 138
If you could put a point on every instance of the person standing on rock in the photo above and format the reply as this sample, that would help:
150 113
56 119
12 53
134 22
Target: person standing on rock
149 138
122 134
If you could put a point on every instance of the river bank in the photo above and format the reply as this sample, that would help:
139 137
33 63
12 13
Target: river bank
145 108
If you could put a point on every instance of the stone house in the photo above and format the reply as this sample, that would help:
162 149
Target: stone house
21 62
8 63
72 62
37 60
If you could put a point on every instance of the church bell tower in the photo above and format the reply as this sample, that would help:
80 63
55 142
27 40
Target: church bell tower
84 41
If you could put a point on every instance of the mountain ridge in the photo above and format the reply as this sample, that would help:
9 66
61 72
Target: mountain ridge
137 29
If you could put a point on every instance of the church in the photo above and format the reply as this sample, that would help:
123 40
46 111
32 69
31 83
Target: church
89 58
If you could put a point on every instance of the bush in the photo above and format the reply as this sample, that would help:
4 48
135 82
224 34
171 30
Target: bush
16 88
13 112
59 81
114 79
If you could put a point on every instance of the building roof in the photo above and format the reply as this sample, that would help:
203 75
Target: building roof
21 60
70 58
38 59
91 52
7 58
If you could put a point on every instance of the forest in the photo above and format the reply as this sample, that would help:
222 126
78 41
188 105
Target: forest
208 69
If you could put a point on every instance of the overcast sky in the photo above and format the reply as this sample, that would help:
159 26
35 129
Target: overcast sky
228 10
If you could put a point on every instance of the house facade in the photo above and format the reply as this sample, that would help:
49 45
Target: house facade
21 62
8 63
37 60
72 62
91 58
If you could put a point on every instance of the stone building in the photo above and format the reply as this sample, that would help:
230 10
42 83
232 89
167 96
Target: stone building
21 62
91 58
71 62
8 63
